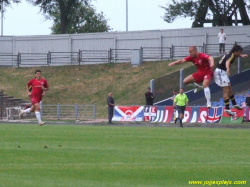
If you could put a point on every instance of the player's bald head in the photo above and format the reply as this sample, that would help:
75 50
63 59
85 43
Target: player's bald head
193 48
193 51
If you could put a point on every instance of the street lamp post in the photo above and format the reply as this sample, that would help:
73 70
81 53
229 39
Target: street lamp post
126 15
2 19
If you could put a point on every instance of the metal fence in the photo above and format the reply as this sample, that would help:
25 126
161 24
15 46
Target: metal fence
94 56
63 58
83 57
30 59
77 112
8 60
157 53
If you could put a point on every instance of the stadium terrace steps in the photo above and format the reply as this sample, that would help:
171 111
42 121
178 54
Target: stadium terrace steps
9 101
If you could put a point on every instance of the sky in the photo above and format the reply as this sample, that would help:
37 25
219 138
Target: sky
26 19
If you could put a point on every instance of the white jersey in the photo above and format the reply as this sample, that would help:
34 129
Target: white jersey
222 37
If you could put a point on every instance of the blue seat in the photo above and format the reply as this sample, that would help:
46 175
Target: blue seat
241 97
221 100
221 103
214 104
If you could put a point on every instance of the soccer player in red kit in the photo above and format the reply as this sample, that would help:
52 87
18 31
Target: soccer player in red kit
39 85
204 64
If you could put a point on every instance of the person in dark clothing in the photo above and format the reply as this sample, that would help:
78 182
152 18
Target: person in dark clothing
111 105
149 97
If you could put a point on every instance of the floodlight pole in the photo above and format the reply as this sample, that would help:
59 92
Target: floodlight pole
2 19
126 15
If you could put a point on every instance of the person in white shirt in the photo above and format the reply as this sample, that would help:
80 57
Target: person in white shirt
222 38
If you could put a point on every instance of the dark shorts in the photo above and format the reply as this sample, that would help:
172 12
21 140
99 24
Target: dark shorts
222 47
181 109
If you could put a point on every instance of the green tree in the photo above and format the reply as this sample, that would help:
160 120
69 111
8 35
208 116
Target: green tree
84 20
217 12
7 3
66 8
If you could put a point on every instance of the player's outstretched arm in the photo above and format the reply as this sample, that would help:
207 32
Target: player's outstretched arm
177 62
211 60
244 55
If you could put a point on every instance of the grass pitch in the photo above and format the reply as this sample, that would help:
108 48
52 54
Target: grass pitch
115 156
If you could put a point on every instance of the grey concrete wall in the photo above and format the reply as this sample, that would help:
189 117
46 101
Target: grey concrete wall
121 40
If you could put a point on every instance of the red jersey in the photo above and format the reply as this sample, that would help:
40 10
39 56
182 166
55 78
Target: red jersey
37 87
201 62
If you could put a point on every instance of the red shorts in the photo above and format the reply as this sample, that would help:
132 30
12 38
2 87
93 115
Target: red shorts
201 76
35 100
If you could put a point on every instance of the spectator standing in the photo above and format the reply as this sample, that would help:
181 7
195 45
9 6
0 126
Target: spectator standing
111 105
149 96
181 101
222 38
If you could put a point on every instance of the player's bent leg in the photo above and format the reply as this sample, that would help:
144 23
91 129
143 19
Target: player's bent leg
232 98
198 87
181 118
207 92
38 114
226 90
28 110
32 109
189 79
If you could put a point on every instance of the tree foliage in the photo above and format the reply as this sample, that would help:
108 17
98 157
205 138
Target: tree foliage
84 20
7 3
217 12
182 9
63 12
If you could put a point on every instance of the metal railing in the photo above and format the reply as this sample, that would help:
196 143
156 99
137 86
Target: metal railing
77 112
32 59
157 53
8 60
120 55
83 57
213 49
94 56
69 111
62 58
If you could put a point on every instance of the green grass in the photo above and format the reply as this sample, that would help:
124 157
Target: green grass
127 83
112 156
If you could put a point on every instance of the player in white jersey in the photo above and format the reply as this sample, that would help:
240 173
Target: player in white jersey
221 77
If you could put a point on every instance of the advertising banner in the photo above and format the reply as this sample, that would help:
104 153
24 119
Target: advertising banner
128 113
